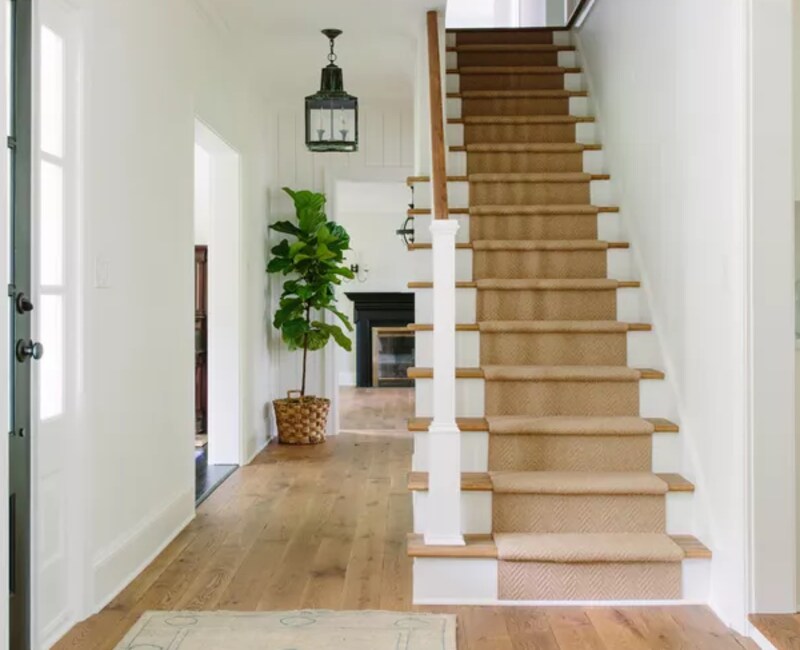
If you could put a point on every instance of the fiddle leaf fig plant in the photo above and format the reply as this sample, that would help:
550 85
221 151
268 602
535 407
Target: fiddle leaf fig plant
315 262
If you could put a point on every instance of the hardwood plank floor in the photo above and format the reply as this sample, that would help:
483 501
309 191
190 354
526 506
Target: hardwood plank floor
326 527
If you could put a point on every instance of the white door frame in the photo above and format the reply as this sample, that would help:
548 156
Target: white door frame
769 458
226 309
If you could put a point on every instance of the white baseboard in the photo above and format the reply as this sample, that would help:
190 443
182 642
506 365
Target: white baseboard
347 379
116 566
759 638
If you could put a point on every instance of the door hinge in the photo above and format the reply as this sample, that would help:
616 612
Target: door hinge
12 290
11 141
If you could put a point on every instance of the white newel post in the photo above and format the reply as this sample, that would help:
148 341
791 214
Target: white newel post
443 525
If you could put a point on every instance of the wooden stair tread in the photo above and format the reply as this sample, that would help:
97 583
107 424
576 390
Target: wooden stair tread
522 119
550 210
528 245
482 481
480 373
517 94
676 482
484 547
551 177
513 69
510 47
420 425
554 210
545 285
470 481
546 326
532 147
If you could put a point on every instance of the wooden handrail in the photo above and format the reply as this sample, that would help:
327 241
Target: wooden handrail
438 154
575 13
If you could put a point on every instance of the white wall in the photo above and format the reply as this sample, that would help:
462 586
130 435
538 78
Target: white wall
371 213
668 86
151 68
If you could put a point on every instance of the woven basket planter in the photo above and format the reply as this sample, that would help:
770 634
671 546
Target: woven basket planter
301 420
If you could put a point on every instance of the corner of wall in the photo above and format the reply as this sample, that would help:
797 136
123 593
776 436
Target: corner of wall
118 564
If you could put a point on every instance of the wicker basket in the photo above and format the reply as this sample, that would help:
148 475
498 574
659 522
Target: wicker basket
301 420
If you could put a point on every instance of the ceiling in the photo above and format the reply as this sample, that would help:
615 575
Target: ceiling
281 40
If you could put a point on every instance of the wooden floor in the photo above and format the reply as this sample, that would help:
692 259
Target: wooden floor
325 527
782 630
375 409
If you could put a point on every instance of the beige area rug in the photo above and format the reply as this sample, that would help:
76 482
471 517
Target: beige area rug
300 630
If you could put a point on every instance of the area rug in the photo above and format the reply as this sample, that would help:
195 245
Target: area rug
300 630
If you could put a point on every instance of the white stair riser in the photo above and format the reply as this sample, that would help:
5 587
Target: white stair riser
630 306
578 106
655 398
562 37
643 349
422 265
474 452
572 81
609 227
450 39
593 163
476 512
602 193
467 349
468 581
667 452
469 398
465 305
454 580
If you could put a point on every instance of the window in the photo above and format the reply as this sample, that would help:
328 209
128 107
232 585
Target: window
53 212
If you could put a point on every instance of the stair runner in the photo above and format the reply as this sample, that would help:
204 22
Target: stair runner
577 512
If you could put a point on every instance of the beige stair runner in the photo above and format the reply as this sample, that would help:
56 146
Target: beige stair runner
577 511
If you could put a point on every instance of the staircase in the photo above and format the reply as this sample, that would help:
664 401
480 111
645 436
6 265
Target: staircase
569 440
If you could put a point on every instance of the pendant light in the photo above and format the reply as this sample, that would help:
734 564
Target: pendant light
332 114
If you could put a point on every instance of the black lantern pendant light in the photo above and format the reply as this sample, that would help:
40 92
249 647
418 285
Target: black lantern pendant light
332 114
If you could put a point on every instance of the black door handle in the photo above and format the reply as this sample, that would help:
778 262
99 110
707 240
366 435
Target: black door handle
29 350
24 304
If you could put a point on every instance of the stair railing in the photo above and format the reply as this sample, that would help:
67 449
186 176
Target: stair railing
443 509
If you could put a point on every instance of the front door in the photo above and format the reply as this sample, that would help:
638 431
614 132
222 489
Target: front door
23 351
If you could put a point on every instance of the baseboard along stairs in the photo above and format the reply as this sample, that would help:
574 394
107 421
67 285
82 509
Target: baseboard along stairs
569 436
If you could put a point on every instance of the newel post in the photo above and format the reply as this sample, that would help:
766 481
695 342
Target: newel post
443 526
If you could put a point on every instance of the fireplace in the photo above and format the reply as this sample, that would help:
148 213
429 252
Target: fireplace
384 348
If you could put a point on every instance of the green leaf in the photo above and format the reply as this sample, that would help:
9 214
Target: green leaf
341 316
286 227
336 332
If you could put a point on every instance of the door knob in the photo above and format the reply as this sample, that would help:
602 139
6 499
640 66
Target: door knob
24 304
29 350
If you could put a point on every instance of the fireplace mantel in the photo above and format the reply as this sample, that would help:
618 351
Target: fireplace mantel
376 310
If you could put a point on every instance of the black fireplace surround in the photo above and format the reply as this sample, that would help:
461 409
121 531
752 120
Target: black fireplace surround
376 310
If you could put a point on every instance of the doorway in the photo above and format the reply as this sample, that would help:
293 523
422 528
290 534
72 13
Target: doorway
374 391
218 399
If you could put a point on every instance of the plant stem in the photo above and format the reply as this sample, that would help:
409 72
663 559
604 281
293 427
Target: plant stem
305 352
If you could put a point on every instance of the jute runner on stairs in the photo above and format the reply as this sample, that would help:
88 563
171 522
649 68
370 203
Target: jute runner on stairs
577 511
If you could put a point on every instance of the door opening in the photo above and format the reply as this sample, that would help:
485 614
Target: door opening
218 432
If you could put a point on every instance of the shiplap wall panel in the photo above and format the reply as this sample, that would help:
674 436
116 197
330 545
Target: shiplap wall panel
392 139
